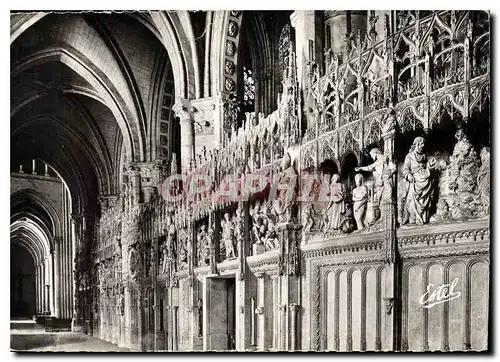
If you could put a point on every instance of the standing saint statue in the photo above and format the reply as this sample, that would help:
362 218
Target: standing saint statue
419 184
360 199
203 246
336 207
285 193
483 179
169 249
228 236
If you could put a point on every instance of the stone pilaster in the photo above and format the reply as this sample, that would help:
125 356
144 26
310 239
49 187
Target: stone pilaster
259 311
145 179
184 110
307 25
392 297
289 273
205 124
77 234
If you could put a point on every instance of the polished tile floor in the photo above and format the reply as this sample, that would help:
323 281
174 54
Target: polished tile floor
27 336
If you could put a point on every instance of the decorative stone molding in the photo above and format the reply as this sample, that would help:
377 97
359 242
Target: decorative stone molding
477 229
204 115
370 242
444 252
232 40
228 266
266 263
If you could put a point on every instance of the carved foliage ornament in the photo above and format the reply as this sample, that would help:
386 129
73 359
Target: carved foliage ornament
232 29
229 67
230 48
229 85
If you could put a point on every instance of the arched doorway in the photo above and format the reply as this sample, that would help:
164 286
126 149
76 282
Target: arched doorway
22 283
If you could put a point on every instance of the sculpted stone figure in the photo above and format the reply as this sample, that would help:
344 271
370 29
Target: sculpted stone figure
420 184
285 193
259 226
270 239
387 189
462 177
360 199
389 122
134 261
263 224
209 245
239 225
308 217
203 245
228 236
376 168
336 208
182 247
463 165
483 179
169 248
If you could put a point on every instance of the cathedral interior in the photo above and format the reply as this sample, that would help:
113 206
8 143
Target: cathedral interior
252 180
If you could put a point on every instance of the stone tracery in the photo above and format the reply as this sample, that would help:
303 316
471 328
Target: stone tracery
375 96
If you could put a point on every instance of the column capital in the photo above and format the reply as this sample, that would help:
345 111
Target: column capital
77 217
183 109
294 307
296 17
282 307
108 201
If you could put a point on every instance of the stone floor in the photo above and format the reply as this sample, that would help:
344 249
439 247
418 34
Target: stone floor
27 336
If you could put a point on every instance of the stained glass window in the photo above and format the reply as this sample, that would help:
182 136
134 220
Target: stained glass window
249 93
284 49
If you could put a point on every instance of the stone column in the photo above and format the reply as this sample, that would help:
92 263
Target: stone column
259 311
282 327
38 289
77 237
175 342
184 111
58 279
54 305
294 310
289 271
392 297
158 338
306 25
47 285
47 304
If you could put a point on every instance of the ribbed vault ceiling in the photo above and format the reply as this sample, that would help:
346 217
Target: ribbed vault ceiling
80 94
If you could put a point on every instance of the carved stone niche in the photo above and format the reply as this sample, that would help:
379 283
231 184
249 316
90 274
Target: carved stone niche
289 260
134 259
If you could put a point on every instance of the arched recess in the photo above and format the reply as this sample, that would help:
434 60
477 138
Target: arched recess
178 39
257 32
142 129
29 203
103 86
30 235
